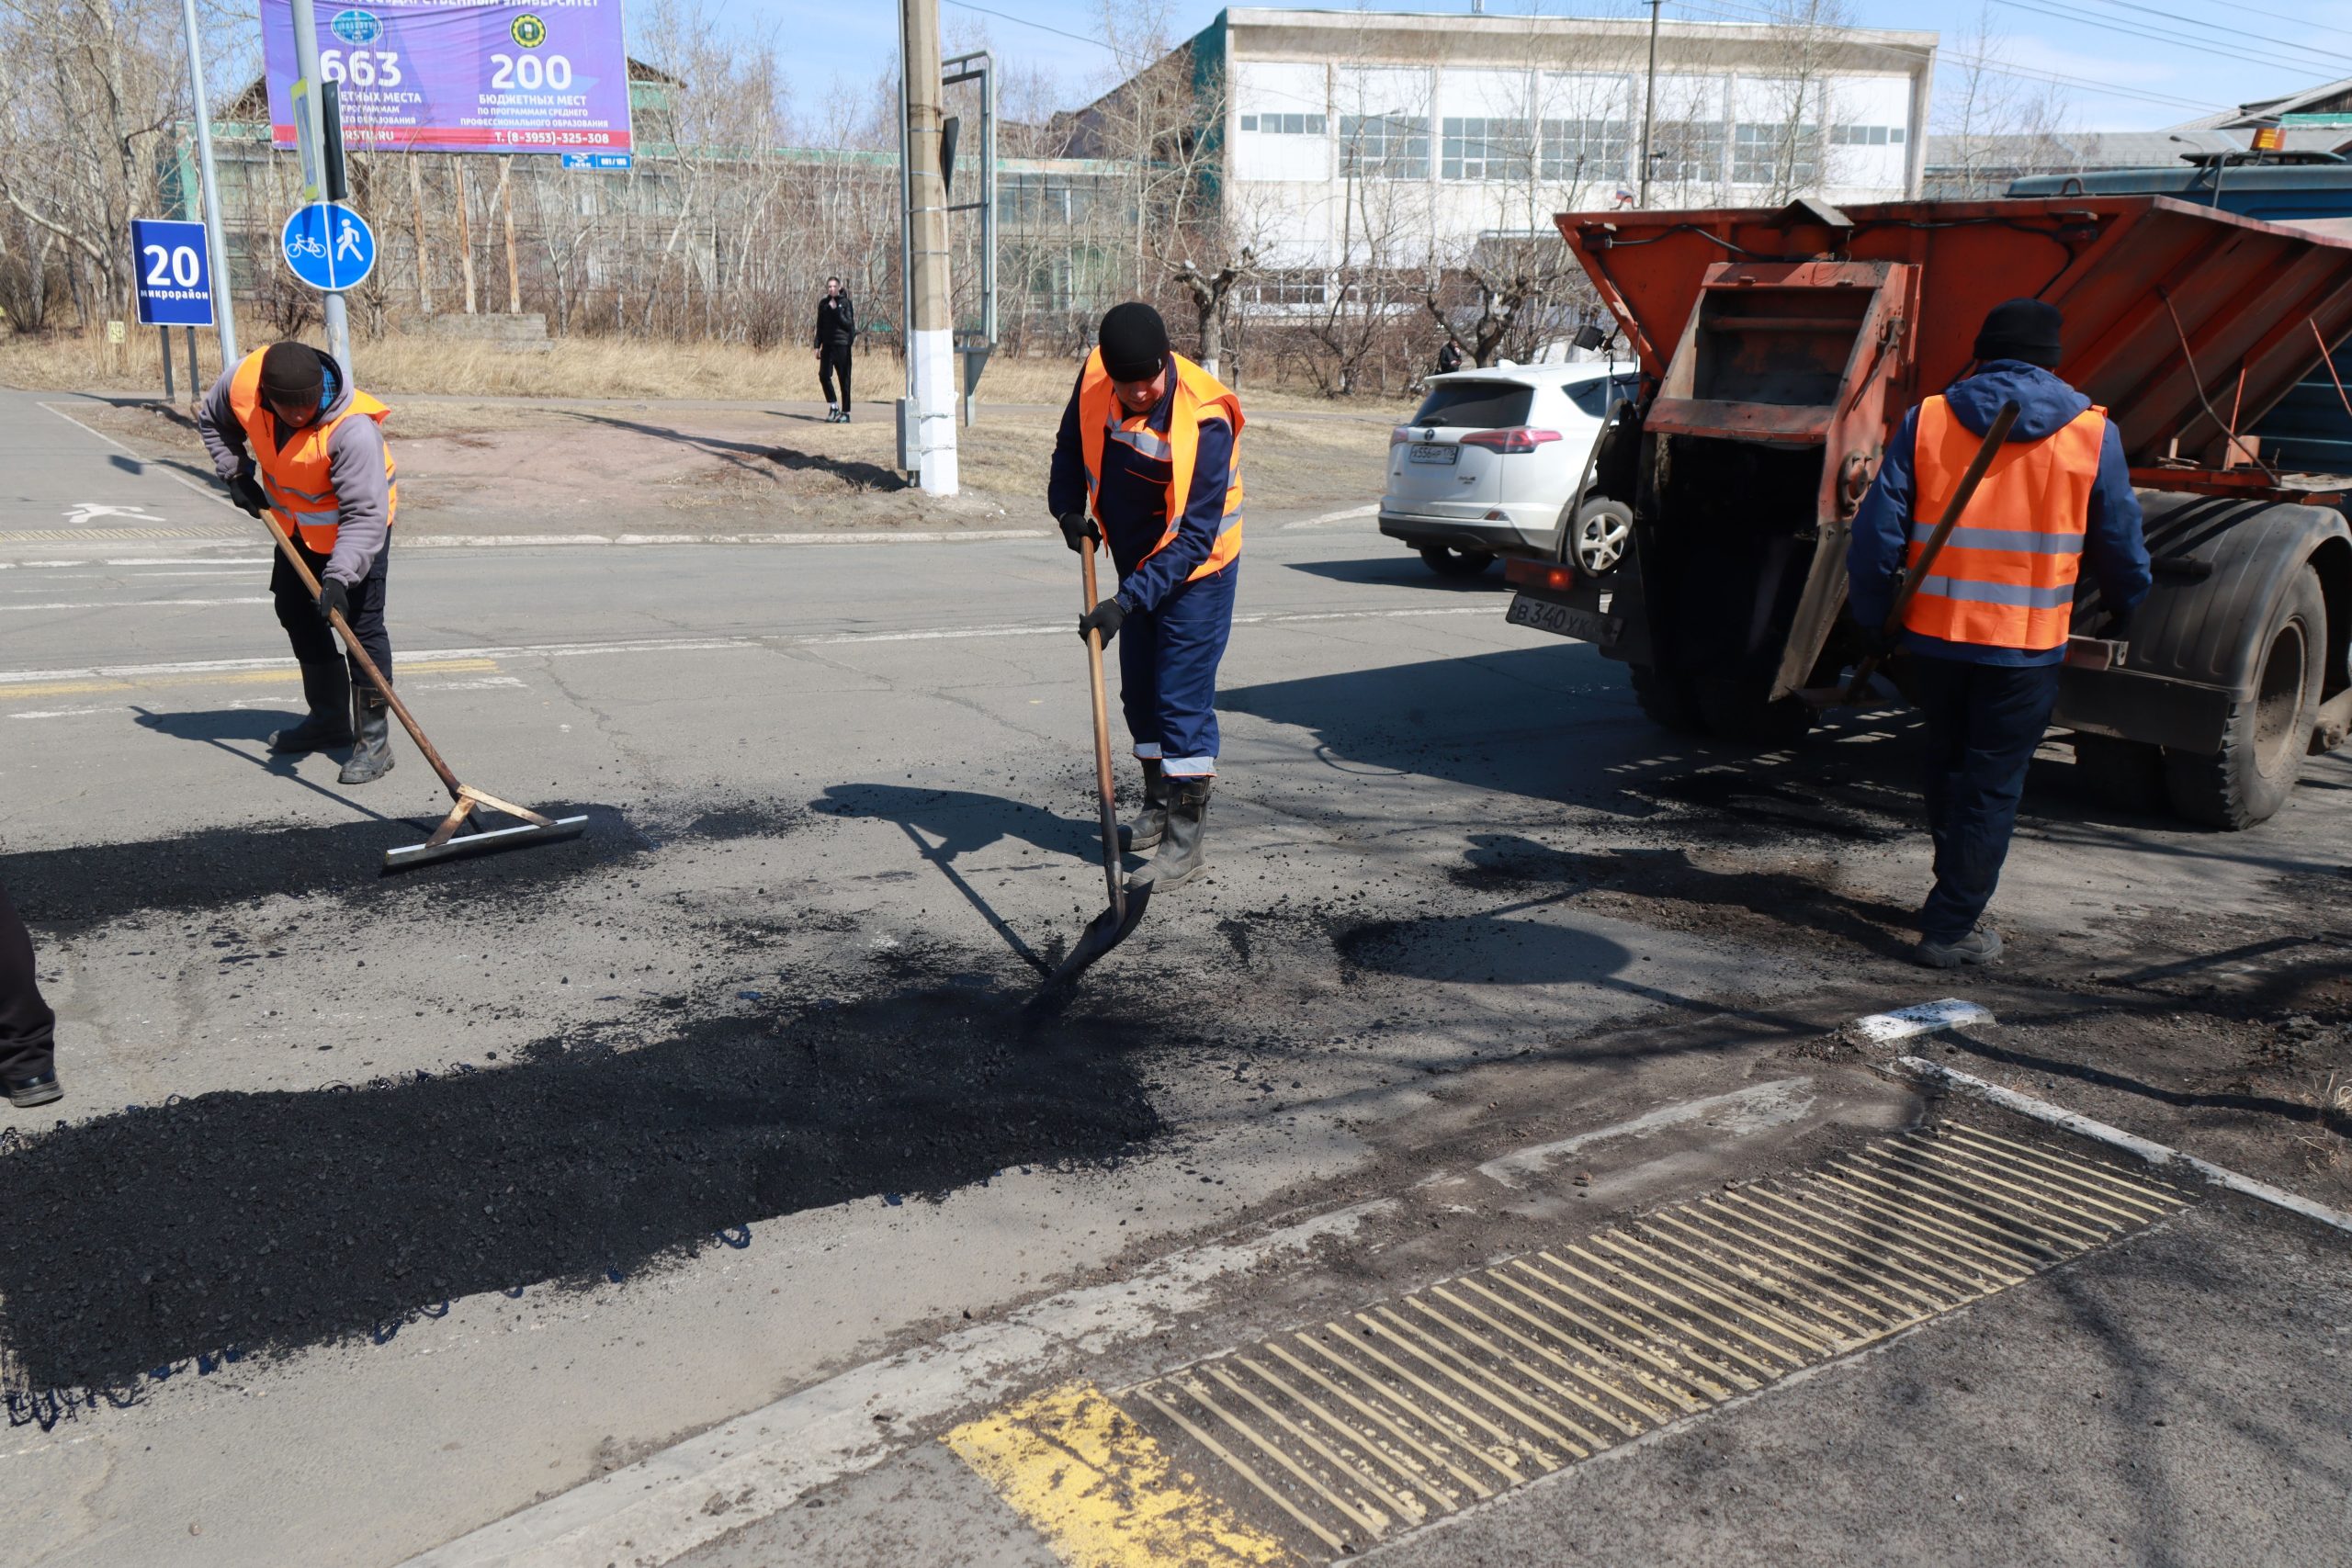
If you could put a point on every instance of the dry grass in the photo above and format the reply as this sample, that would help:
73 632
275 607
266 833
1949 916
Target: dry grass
580 367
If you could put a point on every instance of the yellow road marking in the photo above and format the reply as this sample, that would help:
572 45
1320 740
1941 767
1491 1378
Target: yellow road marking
227 678
1099 1490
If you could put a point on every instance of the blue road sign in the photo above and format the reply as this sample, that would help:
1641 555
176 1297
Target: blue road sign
597 160
175 273
329 246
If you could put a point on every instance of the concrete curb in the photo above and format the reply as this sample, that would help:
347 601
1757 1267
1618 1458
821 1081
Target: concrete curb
2157 1154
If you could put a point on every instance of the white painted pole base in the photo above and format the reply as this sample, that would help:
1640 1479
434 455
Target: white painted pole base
936 392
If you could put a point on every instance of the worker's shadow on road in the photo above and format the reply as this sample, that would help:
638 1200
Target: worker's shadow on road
945 826
223 729
764 458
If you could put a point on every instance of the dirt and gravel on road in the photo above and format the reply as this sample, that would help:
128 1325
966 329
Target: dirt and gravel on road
506 469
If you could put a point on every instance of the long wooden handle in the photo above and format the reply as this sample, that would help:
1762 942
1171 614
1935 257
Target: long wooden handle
1971 477
1103 746
359 655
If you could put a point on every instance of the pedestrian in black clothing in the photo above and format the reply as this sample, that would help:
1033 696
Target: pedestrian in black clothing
28 1028
1449 358
836 333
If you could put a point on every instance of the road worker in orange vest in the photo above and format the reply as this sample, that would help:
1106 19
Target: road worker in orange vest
1144 460
1986 631
290 435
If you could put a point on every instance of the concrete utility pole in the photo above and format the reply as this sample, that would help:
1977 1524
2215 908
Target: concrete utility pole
308 123
216 239
1649 104
930 326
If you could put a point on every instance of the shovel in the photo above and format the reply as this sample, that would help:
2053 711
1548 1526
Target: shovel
444 844
1851 692
1110 928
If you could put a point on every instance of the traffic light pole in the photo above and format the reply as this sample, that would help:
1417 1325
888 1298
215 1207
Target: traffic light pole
322 160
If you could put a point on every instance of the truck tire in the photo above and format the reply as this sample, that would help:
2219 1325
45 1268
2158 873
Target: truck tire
2263 749
1735 706
1668 700
1447 561
2126 774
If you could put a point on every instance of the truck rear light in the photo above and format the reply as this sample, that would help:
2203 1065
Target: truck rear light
1540 574
1520 439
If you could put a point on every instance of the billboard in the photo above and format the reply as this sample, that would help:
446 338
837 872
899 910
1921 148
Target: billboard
455 77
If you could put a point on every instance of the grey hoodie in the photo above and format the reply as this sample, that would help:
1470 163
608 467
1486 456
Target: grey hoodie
363 517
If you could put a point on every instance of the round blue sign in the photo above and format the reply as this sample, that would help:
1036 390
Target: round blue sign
357 27
328 246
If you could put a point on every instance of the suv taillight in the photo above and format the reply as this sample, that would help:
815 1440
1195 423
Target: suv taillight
1400 435
1520 439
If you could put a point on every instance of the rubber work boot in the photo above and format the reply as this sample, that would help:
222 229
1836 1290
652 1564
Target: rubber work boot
1151 823
371 758
1980 946
1181 855
39 1088
327 688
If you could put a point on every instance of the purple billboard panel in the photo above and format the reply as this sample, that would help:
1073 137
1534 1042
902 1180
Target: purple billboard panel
454 76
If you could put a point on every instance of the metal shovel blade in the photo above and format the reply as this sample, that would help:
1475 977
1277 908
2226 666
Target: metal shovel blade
489 844
1102 933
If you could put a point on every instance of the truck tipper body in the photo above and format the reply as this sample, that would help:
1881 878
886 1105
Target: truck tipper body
1780 350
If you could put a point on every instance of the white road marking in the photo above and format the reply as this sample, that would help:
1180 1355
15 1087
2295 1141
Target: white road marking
133 604
653 1512
1740 1112
1327 518
685 644
82 513
2155 1154
1927 1018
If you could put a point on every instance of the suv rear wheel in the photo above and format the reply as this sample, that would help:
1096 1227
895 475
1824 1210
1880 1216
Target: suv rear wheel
1603 528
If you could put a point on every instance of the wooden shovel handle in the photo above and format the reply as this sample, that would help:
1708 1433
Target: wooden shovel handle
1101 744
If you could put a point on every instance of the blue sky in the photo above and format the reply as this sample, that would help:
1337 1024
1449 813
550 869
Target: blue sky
2137 64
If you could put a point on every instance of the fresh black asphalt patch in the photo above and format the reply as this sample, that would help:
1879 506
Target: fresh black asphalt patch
273 1221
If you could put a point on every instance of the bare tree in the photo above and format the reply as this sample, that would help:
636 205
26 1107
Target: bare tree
1995 126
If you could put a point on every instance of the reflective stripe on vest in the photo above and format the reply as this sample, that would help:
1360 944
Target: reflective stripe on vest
1199 396
298 481
2005 576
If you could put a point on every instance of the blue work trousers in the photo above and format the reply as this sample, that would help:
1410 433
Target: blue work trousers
1983 722
1167 660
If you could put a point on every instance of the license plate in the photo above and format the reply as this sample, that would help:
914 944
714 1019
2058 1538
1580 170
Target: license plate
1560 620
1426 452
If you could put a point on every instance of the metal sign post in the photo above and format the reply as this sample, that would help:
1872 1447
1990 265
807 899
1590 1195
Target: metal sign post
309 130
981 67
208 180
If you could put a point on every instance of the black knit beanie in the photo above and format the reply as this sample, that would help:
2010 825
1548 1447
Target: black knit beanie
291 374
1135 342
2021 329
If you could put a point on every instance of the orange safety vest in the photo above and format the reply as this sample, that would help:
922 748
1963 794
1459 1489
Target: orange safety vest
301 491
2005 575
1199 396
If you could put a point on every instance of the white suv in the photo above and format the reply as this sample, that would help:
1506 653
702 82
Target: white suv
1487 464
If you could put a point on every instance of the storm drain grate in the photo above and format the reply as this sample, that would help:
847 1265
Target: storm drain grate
1415 1409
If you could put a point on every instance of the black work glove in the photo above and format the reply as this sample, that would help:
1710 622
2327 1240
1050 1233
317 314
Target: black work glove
334 599
2118 628
1106 618
246 492
1079 533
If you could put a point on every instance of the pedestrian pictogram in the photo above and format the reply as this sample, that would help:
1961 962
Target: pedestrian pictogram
329 246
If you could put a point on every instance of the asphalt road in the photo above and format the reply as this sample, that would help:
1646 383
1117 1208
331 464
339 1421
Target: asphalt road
444 1158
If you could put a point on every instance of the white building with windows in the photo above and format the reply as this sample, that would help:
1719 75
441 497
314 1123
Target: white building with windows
1351 138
